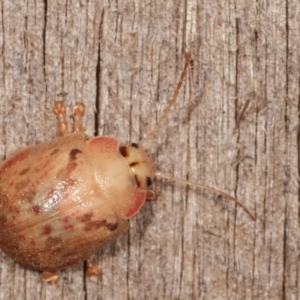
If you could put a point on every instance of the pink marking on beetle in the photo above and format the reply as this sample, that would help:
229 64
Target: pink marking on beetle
14 209
21 237
66 219
66 224
14 160
32 242
68 227
103 144
24 171
85 217
36 209
138 202
47 229
55 151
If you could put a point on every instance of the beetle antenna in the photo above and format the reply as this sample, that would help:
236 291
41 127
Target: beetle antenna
149 138
208 188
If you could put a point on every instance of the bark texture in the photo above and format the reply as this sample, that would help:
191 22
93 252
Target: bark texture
235 127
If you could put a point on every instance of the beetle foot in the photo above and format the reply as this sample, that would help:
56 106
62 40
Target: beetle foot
150 195
78 112
92 270
59 109
50 277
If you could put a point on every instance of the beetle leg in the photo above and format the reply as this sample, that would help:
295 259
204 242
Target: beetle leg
78 112
150 195
50 277
59 109
92 270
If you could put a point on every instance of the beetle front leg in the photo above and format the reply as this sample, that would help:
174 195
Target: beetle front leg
59 109
78 112
150 195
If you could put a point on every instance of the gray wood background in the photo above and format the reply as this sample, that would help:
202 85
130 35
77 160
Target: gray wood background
235 127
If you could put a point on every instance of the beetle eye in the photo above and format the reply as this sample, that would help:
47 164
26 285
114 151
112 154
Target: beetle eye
134 145
123 151
148 181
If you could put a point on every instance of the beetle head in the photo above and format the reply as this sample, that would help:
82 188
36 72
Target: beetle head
140 164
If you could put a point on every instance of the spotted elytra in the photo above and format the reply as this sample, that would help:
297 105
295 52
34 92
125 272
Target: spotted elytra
60 200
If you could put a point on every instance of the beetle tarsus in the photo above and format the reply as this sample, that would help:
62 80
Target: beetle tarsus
150 195
59 109
92 270
78 112
50 277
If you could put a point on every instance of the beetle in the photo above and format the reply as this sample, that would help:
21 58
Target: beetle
64 199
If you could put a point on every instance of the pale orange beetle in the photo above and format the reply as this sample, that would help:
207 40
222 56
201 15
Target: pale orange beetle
62 200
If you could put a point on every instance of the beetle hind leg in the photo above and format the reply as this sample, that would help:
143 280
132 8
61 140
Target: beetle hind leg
78 112
92 270
50 277
59 109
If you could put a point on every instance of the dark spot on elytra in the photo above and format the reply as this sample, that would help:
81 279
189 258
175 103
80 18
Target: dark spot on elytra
14 160
64 173
94 225
73 154
21 184
68 227
86 217
32 242
134 164
24 171
148 181
36 209
14 208
138 183
134 145
112 226
54 151
47 229
123 151
53 241
69 182
28 196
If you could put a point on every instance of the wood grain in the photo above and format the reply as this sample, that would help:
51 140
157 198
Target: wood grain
235 127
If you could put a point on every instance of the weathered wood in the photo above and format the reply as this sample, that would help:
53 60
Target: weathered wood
235 127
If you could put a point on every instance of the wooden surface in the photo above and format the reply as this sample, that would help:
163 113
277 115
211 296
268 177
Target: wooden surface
235 127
